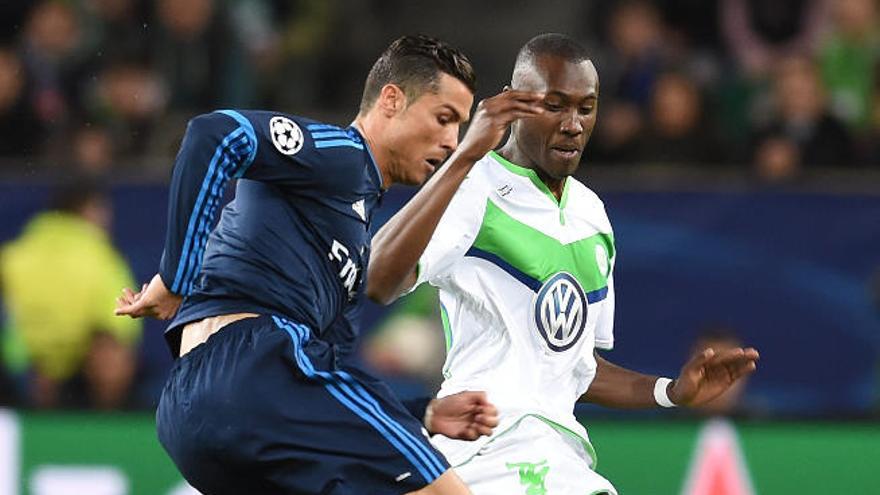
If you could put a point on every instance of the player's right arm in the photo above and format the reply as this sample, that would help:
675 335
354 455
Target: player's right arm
396 248
216 148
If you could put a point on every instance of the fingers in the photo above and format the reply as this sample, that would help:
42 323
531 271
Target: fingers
128 310
736 362
482 430
489 419
520 95
514 104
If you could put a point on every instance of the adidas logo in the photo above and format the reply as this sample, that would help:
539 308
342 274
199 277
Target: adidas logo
360 209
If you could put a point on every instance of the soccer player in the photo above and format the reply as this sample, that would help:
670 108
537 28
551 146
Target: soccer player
524 255
262 399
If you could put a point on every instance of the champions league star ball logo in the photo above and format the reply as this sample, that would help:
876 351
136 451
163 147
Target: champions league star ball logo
561 311
286 135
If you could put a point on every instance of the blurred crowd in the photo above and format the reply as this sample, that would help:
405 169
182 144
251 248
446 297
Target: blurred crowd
777 85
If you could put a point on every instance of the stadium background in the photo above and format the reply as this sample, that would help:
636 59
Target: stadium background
736 149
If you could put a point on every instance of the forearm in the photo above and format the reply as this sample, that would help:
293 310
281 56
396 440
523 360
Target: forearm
620 388
396 248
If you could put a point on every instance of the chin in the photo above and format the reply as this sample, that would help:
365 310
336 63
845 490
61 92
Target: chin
559 171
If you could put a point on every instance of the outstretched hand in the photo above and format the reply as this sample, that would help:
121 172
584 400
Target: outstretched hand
464 416
154 300
708 374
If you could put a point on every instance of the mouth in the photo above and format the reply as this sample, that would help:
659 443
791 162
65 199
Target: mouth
565 152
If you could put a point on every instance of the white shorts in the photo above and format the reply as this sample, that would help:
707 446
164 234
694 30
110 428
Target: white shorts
532 458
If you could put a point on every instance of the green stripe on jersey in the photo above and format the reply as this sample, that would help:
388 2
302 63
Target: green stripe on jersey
447 328
540 256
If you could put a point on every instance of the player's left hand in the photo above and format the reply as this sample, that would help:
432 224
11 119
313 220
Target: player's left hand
464 416
708 374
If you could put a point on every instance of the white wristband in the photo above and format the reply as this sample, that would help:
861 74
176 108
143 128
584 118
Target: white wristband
660 395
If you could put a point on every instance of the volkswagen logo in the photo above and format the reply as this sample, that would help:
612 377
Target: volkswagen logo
561 311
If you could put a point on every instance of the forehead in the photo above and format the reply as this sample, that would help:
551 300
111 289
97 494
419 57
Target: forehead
449 93
552 74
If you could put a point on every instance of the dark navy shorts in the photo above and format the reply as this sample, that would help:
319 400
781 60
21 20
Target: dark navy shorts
263 408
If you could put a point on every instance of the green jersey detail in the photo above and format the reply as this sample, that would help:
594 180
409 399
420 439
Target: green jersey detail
540 256
588 447
447 335
532 476
533 176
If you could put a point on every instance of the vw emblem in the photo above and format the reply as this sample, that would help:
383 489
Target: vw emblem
561 311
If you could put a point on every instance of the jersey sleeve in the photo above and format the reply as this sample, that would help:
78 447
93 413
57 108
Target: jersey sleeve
216 148
605 323
454 235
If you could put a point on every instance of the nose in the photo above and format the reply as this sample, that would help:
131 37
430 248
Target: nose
571 123
449 138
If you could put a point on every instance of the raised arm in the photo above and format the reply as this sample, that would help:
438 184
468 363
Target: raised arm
396 248
706 376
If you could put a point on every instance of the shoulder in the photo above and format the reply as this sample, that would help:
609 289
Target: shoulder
483 176
585 199
582 192
297 137
478 183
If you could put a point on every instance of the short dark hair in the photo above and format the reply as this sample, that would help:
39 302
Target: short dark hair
555 44
414 63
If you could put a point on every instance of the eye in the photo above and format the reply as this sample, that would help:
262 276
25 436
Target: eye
444 120
552 106
585 110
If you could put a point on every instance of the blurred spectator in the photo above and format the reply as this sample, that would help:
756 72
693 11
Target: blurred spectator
761 33
693 23
678 131
730 402
20 132
93 150
131 100
196 54
628 69
115 30
847 59
693 35
59 280
637 48
800 124
777 159
52 39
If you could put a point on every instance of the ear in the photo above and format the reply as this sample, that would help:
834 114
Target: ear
506 88
391 100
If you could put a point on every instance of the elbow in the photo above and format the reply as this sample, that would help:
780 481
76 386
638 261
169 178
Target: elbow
380 295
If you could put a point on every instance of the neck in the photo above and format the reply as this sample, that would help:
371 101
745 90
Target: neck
371 128
514 154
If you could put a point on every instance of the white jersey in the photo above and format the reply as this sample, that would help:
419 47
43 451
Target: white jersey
526 295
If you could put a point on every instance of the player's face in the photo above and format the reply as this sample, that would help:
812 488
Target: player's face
425 133
554 141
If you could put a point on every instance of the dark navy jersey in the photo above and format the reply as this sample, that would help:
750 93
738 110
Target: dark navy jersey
295 240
